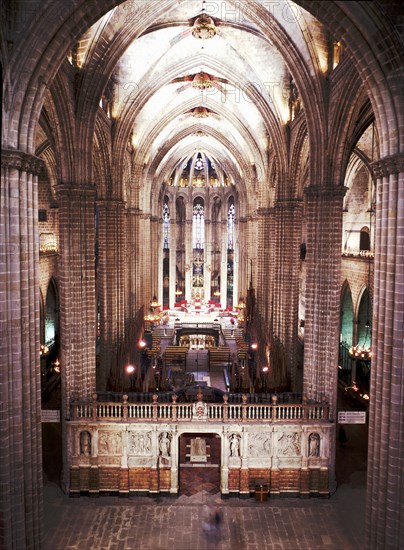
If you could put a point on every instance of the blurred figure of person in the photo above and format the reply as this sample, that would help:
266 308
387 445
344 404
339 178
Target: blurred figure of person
212 527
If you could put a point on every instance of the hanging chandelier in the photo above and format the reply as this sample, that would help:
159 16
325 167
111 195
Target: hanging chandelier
204 26
361 352
241 303
154 303
202 81
43 349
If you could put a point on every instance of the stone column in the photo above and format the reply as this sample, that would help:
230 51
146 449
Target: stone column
188 256
223 264
144 286
289 220
110 283
155 258
207 270
276 271
77 292
385 506
323 259
272 264
243 258
20 388
132 262
173 255
263 264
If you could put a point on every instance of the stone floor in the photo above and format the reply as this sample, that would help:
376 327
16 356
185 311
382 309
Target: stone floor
184 523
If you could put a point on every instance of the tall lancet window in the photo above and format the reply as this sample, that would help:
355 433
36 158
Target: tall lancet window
230 227
166 226
198 224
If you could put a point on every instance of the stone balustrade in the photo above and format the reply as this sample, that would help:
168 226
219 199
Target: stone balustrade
210 412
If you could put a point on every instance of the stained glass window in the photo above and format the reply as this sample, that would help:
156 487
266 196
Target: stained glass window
230 227
166 226
198 226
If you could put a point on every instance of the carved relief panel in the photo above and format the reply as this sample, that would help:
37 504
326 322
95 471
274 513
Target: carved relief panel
260 444
289 444
109 443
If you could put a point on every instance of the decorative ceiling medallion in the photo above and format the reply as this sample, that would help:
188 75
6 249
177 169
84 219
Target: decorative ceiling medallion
200 112
204 26
202 81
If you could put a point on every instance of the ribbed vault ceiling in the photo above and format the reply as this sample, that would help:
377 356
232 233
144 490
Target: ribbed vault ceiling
249 68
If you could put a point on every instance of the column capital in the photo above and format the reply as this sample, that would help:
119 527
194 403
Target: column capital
325 191
264 211
12 158
288 204
110 202
80 189
393 164
133 210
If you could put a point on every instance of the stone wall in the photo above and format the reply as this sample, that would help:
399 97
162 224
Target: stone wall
143 458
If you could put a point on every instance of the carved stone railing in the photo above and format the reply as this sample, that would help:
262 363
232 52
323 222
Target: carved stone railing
186 412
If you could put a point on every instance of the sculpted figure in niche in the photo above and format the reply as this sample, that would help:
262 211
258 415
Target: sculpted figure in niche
85 444
314 444
234 446
165 445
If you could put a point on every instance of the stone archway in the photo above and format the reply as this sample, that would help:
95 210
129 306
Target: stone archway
199 463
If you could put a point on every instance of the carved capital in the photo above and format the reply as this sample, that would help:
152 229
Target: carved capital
77 189
325 192
288 204
393 164
21 161
264 212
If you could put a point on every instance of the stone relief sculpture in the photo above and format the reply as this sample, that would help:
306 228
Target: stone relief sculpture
199 410
165 444
314 444
109 443
259 444
234 445
141 444
85 443
289 444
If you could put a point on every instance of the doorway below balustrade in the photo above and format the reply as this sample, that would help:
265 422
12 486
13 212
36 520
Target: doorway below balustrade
199 463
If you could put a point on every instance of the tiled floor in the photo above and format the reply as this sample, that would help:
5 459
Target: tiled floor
182 523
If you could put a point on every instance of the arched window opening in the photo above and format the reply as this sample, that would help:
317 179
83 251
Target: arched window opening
364 239
41 318
198 225
198 244
347 318
180 248
231 214
166 252
51 315
230 226
166 224
216 250
364 337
